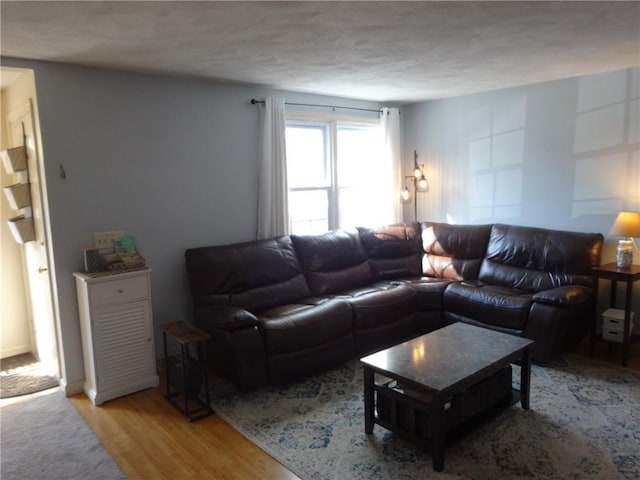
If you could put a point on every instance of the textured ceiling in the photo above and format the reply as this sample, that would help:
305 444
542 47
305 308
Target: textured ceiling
384 51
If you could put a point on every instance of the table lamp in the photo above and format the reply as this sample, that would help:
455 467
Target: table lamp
627 225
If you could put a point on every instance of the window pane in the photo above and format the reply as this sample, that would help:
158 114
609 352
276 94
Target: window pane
364 178
306 156
308 210
358 147
353 209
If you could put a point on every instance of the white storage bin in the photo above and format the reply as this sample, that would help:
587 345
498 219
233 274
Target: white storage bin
614 335
613 318
613 324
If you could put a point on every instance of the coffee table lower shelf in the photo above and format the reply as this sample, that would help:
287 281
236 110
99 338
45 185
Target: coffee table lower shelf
409 417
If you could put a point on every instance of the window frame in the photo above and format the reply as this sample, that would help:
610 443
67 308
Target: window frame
332 122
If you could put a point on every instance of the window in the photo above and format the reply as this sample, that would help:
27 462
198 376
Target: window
337 176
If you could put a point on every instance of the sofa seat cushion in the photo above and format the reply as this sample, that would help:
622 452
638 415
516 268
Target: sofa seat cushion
363 291
429 291
493 305
301 326
382 307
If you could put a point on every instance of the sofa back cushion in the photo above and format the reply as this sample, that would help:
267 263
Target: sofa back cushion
536 259
393 250
332 262
252 275
453 251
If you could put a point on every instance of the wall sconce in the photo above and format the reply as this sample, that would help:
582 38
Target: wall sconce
627 225
420 184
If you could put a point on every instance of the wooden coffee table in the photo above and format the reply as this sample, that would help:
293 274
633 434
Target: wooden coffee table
442 364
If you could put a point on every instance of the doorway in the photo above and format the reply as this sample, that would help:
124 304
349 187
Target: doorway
26 302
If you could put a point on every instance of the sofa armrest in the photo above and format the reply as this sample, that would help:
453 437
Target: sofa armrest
224 317
236 349
563 296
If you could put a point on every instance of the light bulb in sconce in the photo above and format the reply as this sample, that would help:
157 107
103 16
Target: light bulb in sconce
419 182
627 225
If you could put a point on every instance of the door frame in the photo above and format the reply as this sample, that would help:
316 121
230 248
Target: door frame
52 363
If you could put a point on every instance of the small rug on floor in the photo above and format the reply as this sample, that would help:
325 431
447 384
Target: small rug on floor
584 423
44 437
23 374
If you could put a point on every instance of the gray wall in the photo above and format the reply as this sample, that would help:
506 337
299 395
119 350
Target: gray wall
562 154
170 161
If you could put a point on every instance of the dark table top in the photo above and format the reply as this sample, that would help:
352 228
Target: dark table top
613 272
444 358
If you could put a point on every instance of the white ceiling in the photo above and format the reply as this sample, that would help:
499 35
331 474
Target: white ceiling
385 51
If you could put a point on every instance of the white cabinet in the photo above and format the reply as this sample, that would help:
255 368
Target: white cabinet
117 333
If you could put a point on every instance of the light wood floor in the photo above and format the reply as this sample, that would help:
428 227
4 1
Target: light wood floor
149 439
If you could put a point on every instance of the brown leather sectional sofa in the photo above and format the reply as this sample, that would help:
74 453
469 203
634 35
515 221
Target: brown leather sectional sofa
283 308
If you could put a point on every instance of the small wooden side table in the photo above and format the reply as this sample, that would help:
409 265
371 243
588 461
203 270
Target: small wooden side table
191 406
610 271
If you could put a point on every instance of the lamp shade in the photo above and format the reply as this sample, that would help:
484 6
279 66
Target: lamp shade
627 224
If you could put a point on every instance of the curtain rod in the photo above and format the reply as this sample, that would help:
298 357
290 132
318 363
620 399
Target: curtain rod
254 102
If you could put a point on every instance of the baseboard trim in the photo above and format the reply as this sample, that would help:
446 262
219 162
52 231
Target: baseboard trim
73 388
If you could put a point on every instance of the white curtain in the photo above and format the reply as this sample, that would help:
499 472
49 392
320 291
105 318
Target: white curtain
273 207
391 128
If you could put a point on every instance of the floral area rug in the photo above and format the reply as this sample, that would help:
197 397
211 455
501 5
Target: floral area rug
584 423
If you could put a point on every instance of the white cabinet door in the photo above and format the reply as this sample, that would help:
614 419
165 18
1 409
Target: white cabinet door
123 343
